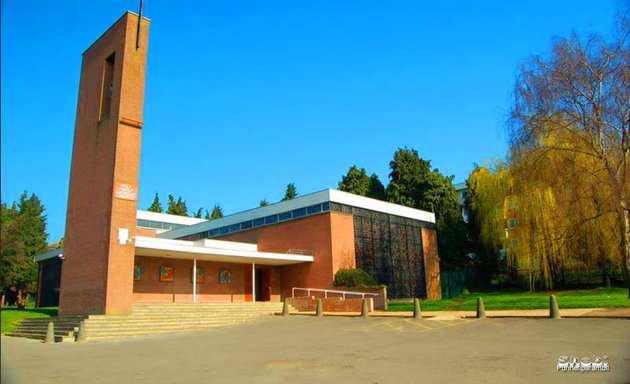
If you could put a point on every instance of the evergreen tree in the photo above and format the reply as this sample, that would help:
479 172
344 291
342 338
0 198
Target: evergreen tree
264 203
291 192
33 223
23 233
156 206
408 178
176 207
207 215
376 189
414 184
217 212
172 205
355 181
182 210
198 214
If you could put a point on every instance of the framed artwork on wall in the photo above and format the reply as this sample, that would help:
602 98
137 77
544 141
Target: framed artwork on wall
225 276
137 272
201 275
167 273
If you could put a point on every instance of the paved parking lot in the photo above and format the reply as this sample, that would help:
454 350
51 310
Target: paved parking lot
305 349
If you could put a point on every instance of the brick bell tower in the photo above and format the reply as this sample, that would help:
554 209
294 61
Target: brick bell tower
97 273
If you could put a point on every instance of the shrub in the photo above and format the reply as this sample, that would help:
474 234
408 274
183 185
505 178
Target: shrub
353 278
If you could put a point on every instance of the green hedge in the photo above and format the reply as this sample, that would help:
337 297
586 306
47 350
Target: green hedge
353 278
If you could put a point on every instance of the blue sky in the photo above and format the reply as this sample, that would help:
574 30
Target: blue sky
243 97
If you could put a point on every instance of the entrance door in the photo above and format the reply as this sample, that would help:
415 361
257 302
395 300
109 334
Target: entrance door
263 286
50 281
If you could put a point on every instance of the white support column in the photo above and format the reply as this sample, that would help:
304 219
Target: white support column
194 279
253 282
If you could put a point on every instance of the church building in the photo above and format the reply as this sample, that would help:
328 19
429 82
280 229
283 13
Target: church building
115 255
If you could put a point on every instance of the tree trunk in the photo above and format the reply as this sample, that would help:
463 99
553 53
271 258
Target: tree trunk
605 271
21 299
625 244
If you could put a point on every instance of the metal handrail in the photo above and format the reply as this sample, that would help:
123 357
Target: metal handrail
327 291
293 251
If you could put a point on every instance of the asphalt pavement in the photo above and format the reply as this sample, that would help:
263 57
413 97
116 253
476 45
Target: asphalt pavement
332 349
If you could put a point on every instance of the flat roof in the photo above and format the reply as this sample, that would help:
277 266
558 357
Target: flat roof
49 255
168 218
205 249
214 250
327 195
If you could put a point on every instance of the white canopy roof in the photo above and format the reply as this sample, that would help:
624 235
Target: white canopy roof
214 250
208 250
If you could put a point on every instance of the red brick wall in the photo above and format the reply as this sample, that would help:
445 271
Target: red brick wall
150 289
431 264
329 235
97 276
146 232
342 227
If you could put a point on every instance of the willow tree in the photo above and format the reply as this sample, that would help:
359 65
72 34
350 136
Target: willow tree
538 246
487 190
580 92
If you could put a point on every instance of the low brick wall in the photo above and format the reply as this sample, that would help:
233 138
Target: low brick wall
380 301
331 304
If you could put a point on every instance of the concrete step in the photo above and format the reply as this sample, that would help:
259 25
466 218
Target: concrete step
36 328
89 328
46 320
44 329
148 332
33 331
154 329
134 322
150 318
177 316
207 309
219 311
41 336
182 314
202 305
210 304
44 325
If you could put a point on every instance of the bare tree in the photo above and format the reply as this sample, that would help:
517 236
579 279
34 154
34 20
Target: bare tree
581 94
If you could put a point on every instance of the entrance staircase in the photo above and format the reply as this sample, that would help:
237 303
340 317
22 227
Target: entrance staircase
158 318
150 319
65 327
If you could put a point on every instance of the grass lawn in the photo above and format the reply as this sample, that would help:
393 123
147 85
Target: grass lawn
587 298
11 316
